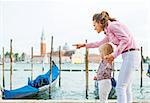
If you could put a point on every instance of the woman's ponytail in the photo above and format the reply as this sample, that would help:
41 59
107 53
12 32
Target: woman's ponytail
103 18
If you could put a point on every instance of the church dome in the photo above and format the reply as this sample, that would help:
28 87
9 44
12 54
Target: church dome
66 47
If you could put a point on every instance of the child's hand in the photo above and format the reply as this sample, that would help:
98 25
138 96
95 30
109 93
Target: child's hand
109 58
95 78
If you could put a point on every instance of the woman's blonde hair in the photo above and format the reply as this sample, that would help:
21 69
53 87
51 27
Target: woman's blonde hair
103 18
106 49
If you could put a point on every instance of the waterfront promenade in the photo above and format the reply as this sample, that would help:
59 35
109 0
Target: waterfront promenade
64 101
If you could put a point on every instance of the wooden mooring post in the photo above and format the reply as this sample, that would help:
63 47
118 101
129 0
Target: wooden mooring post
31 63
113 66
11 60
50 82
141 82
86 68
3 66
43 65
59 66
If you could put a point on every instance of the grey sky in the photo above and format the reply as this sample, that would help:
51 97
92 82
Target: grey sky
68 21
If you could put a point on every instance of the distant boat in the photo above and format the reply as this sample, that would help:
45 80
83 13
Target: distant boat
39 85
148 72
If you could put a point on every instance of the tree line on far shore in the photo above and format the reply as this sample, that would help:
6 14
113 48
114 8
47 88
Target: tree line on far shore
17 57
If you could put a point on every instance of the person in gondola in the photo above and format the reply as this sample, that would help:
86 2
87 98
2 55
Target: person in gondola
148 71
104 73
40 81
118 34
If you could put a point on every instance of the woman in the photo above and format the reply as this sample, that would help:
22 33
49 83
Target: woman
119 35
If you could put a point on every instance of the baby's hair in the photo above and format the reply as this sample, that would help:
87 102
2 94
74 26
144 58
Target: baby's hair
106 49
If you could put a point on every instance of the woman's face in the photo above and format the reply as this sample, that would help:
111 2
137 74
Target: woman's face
97 26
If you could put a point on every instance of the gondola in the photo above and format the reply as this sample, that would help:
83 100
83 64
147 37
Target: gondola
38 85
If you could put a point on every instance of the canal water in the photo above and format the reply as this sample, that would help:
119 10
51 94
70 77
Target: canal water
72 83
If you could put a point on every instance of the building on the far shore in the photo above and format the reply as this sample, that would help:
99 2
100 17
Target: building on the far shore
42 57
94 58
0 58
66 53
77 58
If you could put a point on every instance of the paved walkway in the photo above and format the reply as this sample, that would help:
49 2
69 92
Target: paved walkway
63 101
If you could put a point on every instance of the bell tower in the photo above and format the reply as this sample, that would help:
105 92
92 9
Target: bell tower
43 44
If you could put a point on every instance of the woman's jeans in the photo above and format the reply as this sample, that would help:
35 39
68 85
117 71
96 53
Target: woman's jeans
131 61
